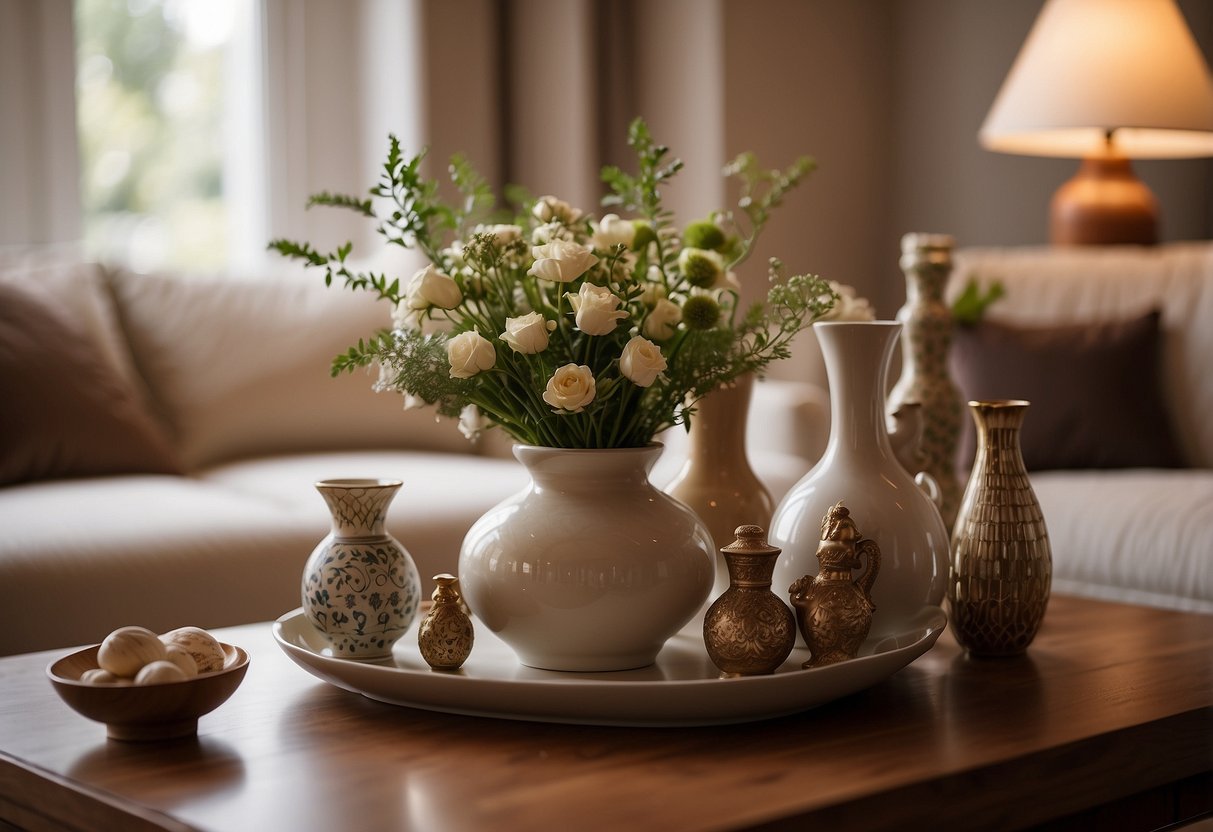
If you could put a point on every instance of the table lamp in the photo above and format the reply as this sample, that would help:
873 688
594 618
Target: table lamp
1105 81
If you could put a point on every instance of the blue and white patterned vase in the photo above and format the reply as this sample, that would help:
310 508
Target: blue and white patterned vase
361 588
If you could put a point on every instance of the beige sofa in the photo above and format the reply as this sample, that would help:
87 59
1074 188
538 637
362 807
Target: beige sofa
206 512
1143 533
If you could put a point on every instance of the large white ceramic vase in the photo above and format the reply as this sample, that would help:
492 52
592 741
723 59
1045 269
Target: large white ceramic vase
589 568
860 469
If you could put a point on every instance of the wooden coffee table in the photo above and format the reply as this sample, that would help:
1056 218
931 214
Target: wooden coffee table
1107 723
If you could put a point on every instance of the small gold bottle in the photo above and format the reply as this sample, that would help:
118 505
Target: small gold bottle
748 630
834 611
445 636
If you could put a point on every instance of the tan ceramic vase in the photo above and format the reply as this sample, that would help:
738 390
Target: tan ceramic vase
1002 565
748 630
926 337
717 482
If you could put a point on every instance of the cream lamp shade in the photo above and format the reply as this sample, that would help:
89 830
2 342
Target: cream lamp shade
1106 81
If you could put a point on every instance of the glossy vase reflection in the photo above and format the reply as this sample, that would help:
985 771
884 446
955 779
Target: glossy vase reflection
925 379
717 482
360 587
860 468
1002 564
590 567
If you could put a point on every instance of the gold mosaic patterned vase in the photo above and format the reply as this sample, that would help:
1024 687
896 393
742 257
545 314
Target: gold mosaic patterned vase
1002 566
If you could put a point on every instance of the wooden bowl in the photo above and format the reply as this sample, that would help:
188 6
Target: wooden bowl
160 711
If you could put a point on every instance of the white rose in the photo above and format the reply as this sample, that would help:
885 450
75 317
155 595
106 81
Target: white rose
549 209
430 287
641 361
469 353
654 290
663 320
612 231
561 261
527 334
471 421
570 388
597 309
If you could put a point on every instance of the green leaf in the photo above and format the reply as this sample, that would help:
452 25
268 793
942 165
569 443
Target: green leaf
971 304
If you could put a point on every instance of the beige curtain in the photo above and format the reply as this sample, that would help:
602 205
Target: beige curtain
39 190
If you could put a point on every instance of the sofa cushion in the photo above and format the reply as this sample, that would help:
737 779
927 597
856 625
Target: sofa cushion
240 367
1094 390
1052 285
1143 536
66 411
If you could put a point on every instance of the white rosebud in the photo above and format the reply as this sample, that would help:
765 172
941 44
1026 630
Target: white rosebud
641 361
597 309
551 209
729 281
430 287
612 231
469 353
561 261
527 334
570 388
471 422
654 290
663 320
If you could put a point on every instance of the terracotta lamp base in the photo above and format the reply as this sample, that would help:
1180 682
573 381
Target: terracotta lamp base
1104 204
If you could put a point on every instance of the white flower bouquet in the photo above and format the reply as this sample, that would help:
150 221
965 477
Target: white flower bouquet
563 329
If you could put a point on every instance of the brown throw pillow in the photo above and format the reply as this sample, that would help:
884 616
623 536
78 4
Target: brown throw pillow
64 411
1095 391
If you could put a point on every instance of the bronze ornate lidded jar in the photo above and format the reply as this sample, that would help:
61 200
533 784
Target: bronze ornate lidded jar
445 635
835 611
1002 564
748 630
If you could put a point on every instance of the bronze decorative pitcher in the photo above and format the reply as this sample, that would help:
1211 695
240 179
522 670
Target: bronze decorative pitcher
834 610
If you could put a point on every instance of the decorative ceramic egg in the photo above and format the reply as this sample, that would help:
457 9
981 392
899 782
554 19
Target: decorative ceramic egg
128 649
160 671
201 645
181 657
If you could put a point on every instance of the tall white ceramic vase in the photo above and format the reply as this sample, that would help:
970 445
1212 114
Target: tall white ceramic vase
590 568
860 468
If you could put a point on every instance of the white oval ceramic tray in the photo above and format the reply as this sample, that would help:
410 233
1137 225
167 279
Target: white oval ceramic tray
682 688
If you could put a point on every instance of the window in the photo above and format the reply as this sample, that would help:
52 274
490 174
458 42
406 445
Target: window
154 104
